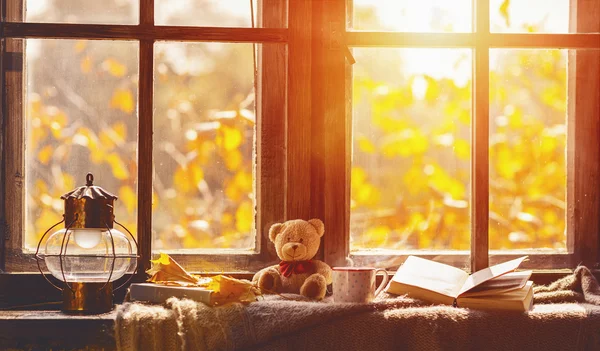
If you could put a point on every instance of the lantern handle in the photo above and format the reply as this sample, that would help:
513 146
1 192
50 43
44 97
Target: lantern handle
38 258
60 256
114 257
89 179
136 253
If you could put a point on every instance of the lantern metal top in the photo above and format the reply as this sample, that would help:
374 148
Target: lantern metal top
89 206
89 191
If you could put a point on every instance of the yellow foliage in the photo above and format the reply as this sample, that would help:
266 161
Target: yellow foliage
186 179
80 45
128 197
365 145
244 217
230 138
86 64
119 169
122 99
114 67
44 154
233 160
462 149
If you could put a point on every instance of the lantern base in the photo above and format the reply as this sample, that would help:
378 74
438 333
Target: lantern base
88 298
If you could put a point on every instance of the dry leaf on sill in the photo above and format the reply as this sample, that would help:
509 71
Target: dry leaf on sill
227 289
167 271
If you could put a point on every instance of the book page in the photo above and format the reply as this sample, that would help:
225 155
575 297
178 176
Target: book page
499 285
516 300
430 275
484 275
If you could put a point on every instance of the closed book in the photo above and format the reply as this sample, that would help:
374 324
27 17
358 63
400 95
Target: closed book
498 287
157 293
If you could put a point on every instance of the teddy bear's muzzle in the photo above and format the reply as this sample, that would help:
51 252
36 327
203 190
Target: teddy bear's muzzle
294 251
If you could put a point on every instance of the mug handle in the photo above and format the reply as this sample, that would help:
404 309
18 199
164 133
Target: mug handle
383 282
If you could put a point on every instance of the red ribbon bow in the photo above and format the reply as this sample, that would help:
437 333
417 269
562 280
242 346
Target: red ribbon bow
298 267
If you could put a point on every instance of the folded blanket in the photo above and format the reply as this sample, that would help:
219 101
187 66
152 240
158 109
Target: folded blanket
389 323
581 286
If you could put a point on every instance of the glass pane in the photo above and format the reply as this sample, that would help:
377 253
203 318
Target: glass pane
83 11
207 13
528 107
203 146
413 16
538 16
411 149
81 108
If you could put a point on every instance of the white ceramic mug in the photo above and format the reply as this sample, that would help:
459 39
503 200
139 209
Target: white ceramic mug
356 284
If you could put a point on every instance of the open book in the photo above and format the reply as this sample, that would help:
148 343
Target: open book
497 288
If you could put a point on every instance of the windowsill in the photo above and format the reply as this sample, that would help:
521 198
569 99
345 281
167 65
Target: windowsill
47 329
52 329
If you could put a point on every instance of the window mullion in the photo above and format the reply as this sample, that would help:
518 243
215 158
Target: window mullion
298 172
14 133
271 127
480 139
336 136
145 127
583 131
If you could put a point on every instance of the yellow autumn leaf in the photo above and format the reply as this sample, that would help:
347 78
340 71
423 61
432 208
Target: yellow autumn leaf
181 181
365 145
120 130
226 289
114 67
233 160
232 191
44 154
113 136
243 180
45 220
462 149
232 138
166 269
127 195
122 99
197 175
119 169
106 140
80 46
357 176
86 64
154 200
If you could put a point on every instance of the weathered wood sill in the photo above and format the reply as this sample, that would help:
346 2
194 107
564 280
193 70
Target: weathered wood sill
44 330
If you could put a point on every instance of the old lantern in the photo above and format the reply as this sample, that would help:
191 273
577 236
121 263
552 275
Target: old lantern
88 254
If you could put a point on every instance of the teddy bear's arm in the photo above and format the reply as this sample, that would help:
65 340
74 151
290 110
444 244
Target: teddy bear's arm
268 278
323 269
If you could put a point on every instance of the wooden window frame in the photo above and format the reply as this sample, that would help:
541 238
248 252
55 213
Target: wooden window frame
270 130
583 153
304 138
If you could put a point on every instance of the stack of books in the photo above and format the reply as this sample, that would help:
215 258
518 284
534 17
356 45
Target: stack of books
498 287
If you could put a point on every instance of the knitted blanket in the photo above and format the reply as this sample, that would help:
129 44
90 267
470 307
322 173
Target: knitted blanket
389 323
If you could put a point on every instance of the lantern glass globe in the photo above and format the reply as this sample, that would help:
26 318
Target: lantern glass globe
87 255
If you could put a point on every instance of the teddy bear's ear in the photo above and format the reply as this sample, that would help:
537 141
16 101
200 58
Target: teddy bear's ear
274 230
319 226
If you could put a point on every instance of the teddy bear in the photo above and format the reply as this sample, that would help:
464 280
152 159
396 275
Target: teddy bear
296 243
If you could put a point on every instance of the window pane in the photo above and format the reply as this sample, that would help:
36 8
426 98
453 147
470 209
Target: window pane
80 100
413 16
203 147
528 108
207 13
411 149
538 16
82 11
